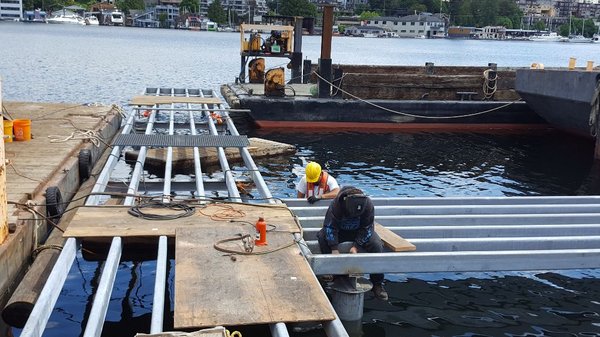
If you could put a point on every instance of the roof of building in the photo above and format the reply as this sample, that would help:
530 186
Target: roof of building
366 28
411 18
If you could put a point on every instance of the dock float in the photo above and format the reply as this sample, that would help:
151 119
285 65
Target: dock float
42 175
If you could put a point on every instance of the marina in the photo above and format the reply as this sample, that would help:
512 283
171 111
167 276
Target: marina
534 222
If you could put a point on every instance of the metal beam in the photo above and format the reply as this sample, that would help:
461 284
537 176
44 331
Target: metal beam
425 262
97 315
158 302
45 303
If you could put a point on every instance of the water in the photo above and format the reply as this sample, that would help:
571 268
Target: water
56 63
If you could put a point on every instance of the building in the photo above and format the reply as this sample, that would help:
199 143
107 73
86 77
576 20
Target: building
492 33
11 9
364 31
251 10
416 26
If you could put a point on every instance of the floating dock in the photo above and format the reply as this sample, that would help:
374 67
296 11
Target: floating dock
49 167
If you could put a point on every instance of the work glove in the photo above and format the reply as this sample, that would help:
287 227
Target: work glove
312 199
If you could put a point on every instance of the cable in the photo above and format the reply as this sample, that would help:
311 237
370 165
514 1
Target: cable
413 115
185 209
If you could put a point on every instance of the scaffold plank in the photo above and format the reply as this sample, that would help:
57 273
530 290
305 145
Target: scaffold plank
267 288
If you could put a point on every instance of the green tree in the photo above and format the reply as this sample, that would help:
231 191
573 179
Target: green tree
216 13
189 6
465 14
563 30
504 21
302 8
162 20
539 25
127 5
418 8
368 15
360 8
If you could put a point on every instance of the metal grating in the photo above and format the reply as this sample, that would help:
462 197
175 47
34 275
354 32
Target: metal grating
182 140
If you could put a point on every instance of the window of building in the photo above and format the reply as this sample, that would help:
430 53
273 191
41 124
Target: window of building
376 22
412 31
421 23
383 22
403 31
395 23
404 23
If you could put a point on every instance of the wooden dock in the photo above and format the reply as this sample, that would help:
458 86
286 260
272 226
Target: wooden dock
50 159
275 284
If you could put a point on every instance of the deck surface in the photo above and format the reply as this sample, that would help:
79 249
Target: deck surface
32 163
151 100
111 221
213 289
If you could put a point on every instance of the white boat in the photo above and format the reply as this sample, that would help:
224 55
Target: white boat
596 38
91 20
579 39
549 37
66 19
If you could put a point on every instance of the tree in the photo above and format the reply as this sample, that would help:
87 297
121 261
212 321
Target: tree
418 8
216 13
162 20
189 6
302 8
539 25
367 15
127 5
504 21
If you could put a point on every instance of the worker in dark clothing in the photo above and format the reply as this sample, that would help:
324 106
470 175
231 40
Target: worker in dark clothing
351 217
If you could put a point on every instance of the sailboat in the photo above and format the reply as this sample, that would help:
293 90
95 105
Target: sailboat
578 38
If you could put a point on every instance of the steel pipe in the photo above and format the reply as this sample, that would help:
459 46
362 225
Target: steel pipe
158 302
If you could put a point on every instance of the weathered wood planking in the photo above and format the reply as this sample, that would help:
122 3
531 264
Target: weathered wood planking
110 221
152 100
212 289
3 205
393 241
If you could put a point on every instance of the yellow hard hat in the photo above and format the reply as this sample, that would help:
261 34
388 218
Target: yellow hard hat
313 171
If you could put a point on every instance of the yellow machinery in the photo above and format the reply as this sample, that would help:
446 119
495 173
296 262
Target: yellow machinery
263 41
275 82
256 70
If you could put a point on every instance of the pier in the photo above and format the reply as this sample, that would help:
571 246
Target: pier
223 279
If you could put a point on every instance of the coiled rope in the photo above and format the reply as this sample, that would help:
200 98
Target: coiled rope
489 90
413 115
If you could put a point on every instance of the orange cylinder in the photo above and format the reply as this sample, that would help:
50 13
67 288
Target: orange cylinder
22 129
261 228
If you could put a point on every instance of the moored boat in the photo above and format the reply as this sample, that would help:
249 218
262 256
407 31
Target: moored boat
549 37
91 20
564 98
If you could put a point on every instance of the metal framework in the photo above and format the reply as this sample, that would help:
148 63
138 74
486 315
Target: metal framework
470 234
193 116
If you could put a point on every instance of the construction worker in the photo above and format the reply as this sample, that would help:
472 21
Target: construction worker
316 184
351 217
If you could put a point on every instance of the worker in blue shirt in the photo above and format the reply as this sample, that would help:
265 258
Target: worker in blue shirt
351 217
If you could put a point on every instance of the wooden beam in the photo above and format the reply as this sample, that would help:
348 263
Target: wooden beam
152 100
393 241
3 200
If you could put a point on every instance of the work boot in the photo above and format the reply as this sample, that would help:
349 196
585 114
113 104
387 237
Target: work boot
380 292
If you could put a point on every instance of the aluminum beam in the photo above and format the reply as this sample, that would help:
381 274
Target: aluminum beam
475 261
470 219
36 323
158 302
465 209
102 298
406 201
197 168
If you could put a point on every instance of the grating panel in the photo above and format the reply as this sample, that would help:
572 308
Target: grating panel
182 140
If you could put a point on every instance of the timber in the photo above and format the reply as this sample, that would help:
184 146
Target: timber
152 100
393 241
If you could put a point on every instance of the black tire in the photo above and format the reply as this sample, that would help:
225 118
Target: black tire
85 165
55 206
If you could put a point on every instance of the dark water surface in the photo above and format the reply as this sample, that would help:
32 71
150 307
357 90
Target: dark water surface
58 63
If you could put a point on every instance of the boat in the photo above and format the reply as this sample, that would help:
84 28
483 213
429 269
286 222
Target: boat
72 19
115 18
579 39
35 16
549 37
596 38
566 107
91 20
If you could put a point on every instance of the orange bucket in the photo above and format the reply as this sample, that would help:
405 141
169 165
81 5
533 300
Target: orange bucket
8 131
22 129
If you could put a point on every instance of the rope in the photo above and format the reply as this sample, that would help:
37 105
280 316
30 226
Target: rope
17 172
489 91
88 135
227 212
413 115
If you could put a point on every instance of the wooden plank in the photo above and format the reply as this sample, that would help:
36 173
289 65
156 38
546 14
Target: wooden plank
152 100
3 199
213 289
393 241
110 221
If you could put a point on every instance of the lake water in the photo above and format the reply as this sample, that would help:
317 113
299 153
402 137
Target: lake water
56 63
